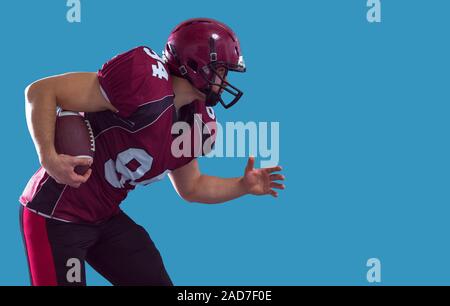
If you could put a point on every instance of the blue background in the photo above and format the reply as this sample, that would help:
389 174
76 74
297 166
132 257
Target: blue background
364 119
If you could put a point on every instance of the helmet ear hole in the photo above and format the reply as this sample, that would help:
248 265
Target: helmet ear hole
192 64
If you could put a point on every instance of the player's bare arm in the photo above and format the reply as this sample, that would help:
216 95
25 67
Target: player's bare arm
78 92
193 186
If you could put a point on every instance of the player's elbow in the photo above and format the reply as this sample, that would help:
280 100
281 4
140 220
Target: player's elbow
193 197
188 196
188 193
34 90
29 92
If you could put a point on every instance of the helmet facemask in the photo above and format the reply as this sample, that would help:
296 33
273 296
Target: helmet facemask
212 97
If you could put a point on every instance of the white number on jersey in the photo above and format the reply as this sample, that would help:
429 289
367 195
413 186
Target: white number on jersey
158 71
118 174
153 55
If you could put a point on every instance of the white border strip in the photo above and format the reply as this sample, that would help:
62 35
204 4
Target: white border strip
57 202
104 93
155 100
68 113
84 156
44 215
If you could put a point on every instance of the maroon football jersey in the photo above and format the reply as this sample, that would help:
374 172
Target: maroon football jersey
133 147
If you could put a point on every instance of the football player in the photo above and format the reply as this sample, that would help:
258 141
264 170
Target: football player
132 103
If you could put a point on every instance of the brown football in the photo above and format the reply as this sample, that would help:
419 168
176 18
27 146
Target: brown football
74 137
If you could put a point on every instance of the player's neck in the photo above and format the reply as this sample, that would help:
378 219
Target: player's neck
184 92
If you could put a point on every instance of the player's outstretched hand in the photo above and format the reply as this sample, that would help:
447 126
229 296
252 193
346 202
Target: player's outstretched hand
262 181
62 168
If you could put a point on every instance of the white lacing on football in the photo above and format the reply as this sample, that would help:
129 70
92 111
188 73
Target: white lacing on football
91 135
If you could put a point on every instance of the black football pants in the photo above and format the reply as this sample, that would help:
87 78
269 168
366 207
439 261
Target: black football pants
119 249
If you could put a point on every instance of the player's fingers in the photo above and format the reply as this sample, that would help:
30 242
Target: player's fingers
78 179
273 193
83 178
277 186
81 161
277 177
273 169
250 163
86 175
75 179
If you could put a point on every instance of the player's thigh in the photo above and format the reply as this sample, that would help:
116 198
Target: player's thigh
55 250
127 256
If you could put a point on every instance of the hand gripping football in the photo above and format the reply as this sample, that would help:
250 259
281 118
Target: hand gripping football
74 137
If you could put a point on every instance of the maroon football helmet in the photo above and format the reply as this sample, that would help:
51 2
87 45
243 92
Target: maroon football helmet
197 48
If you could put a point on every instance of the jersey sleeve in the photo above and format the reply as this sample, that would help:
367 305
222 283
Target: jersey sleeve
134 79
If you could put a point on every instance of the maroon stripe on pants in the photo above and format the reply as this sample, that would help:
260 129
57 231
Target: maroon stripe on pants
40 256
